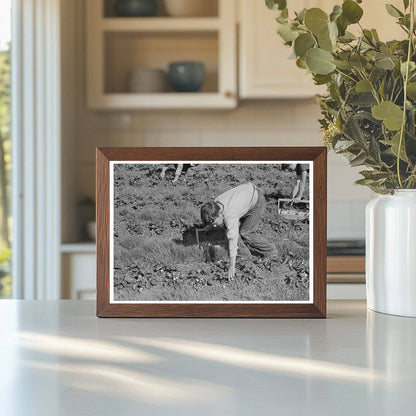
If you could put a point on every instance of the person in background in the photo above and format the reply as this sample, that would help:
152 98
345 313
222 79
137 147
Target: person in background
181 168
240 211
301 177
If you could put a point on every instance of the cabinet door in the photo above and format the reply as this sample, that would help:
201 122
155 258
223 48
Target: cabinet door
265 68
78 276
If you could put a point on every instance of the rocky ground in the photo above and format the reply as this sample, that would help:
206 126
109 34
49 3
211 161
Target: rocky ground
156 255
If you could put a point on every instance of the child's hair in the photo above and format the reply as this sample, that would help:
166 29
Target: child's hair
209 212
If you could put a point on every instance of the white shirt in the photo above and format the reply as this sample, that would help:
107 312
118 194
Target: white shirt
235 203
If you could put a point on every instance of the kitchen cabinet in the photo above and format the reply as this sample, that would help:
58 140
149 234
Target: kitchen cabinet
265 70
78 264
116 46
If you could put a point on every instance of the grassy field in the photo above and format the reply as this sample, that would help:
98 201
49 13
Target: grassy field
156 256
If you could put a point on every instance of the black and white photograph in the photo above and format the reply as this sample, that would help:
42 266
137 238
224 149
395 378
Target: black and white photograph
211 232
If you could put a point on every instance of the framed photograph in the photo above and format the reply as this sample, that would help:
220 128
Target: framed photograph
211 232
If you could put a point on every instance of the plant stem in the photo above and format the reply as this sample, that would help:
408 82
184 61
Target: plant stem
345 75
373 89
369 41
392 90
406 80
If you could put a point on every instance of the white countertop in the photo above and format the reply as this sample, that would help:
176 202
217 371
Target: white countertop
57 359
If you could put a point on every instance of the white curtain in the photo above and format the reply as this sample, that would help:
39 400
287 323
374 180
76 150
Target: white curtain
36 149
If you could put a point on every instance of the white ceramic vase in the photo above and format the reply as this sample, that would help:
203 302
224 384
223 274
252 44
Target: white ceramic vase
391 253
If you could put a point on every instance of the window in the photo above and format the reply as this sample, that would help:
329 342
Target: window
5 144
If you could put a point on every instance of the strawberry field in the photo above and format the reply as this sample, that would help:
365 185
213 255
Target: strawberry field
156 254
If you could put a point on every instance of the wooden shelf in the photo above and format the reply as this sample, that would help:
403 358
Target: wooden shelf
346 269
345 278
163 101
159 24
346 264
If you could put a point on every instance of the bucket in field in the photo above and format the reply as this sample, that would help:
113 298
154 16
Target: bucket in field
214 253
295 210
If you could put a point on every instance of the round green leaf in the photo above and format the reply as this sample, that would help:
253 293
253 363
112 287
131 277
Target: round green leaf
358 61
342 64
301 15
333 32
286 32
336 12
403 66
316 20
363 86
319 61
276 4
303 43
411 90
321 79
351 11
328 40
385 63
324 42
301 63
342 25
391 114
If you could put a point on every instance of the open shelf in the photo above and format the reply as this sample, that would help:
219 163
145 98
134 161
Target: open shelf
194 101
211 9
160 24
127 51
116 46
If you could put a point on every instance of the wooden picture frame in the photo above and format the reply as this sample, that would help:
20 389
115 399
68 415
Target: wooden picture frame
315 307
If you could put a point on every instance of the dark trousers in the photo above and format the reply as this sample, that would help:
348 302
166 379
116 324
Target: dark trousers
250 241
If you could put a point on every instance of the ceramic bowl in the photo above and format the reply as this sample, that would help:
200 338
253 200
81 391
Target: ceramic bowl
136 8
186 76
147 80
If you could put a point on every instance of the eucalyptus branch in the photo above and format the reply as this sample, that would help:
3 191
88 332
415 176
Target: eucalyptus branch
406 80
349 63
403 28
392 90
345 75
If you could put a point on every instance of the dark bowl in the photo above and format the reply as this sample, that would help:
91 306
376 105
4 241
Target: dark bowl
186 76
136 8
